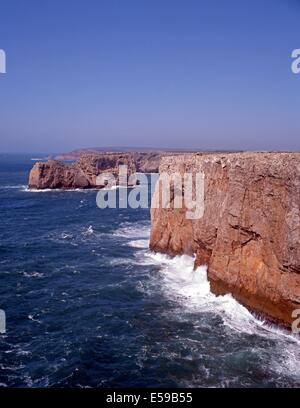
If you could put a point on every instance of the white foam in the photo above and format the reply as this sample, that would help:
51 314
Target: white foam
88 231
139 243
64 235
120 261
112 188
30 317
57 190
130 230
191 290
180 276
33 274
18 186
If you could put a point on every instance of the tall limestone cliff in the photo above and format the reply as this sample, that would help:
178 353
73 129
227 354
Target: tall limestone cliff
249 235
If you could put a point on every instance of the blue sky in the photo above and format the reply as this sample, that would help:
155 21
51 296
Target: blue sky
210 74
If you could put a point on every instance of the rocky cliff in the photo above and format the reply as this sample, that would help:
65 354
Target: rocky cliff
249 235
80 174
89 164
146 162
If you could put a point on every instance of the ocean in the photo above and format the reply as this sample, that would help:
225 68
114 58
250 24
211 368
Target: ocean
88 305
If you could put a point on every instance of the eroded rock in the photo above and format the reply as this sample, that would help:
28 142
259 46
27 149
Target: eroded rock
249 235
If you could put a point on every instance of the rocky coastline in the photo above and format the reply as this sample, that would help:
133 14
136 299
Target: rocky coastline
83 172
249 235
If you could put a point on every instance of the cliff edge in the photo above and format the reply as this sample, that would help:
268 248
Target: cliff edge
249 235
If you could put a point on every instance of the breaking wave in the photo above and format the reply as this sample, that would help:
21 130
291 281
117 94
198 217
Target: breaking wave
57 190
130 230
84 291
17 186
190 290
139 243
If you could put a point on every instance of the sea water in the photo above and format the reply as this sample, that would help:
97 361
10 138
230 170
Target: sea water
88 305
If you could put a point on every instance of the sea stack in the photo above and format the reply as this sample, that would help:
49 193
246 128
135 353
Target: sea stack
249 235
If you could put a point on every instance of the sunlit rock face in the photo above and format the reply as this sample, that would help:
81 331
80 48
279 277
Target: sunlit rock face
249 235
82 173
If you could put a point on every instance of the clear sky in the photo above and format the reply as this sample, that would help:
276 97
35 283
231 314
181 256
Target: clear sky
165 73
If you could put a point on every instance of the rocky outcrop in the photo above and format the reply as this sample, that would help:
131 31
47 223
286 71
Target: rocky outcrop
249 235
80 174
83 172
146 162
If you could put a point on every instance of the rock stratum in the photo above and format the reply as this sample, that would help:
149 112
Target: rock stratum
249 235
83 173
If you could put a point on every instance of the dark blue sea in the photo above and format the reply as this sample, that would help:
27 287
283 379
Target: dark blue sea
88 305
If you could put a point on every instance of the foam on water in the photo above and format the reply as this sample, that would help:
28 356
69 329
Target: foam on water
18 186
139 243
84 291
56 190
26 189
33 275
88 231
64 235
191 290
130 230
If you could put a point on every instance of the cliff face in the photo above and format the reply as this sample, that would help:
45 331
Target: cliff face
249 235
81 174
145 162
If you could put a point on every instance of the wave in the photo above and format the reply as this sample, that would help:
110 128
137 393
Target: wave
64 190
33 319
113 188
132 230
88 231
139 243
180 277
18 186
57 190
190 289
33 274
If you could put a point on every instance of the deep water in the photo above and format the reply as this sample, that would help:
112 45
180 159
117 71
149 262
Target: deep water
88 305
